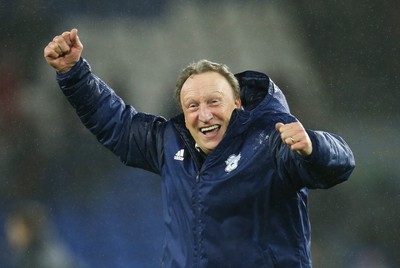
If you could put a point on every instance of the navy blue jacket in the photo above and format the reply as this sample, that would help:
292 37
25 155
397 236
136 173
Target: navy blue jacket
245 204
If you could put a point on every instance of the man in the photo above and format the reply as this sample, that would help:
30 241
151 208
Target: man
235 166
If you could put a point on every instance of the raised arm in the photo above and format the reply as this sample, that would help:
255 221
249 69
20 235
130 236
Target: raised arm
131 135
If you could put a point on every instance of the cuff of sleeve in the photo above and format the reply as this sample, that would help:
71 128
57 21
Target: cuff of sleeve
67 79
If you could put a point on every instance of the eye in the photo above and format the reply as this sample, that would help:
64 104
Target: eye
192 106
214 102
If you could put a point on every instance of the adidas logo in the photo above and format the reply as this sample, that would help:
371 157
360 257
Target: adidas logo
179 155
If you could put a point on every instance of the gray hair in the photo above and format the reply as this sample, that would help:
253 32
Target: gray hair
203 66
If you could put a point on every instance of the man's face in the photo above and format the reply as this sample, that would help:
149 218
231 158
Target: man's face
207 101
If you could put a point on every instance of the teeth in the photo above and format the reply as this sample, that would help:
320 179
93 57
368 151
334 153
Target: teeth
205 129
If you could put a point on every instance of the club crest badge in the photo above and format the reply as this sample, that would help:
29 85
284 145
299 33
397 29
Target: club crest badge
232 162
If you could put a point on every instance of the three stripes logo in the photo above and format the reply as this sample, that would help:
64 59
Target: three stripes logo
179 155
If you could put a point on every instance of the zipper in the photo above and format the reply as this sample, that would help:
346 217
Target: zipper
197 228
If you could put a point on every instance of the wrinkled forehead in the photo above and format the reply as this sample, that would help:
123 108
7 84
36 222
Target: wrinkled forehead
209 81
203 80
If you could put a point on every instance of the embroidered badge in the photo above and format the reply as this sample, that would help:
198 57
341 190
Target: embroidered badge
232 162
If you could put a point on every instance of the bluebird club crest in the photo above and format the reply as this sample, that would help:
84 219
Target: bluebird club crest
232 162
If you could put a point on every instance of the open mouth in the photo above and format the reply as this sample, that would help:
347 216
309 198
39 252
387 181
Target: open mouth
213 128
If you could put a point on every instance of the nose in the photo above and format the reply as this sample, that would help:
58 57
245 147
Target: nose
205 115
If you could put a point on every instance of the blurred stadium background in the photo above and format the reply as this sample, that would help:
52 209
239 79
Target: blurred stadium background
337 62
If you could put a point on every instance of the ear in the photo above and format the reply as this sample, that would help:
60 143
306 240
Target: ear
238 102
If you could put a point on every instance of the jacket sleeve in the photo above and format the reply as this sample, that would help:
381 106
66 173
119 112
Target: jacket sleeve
330 163
132 136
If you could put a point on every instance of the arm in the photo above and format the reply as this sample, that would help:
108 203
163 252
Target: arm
130 135
314 159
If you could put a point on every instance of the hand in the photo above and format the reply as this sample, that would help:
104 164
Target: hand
295 136
64 51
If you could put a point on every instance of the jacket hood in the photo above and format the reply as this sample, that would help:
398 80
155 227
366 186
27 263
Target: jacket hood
257 89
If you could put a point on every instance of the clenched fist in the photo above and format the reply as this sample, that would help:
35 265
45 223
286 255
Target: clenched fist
295 136
64 51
